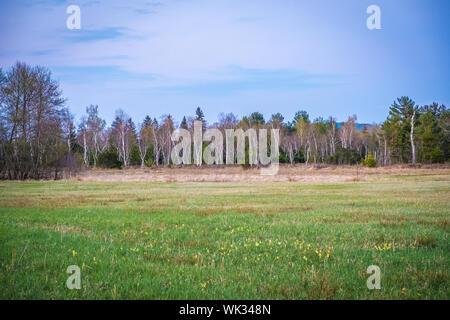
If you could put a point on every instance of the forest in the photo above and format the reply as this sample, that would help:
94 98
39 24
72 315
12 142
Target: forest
41 139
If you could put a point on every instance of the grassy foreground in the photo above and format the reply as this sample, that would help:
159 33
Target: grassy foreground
279 240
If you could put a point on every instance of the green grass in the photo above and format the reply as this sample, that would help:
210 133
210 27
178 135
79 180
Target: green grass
138 240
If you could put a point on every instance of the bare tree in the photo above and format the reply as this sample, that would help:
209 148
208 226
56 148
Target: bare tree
145 139
164 136
156 141
122 132
68 128
32 109
413 146
289 144
332 133
94 127
347 132
83 139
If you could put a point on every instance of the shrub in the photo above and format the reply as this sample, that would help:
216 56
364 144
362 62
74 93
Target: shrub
135 157
437 155
109 159
245 166
369 161
344 156
149 158
148 162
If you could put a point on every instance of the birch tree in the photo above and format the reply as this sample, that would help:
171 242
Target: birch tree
123 135
94 127
145 139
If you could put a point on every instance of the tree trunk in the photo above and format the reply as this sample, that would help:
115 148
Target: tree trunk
86 163
413 147
95 149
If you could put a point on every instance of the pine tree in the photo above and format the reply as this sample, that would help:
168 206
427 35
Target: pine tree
402 111
184 123
200 117
199 114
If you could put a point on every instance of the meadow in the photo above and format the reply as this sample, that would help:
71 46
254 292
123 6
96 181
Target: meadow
227 240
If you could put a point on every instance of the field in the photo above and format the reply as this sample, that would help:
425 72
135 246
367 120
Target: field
289 238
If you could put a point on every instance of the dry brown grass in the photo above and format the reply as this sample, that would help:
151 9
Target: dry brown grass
286 173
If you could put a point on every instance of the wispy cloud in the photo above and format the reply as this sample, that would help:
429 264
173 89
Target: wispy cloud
243 79
237 53
42 52
88 35
99 75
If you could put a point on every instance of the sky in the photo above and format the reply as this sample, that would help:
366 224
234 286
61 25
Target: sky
168 57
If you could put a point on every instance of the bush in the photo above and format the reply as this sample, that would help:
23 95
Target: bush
283 158
135 156
437 155
148 162
245 166
344 156
369 161
109 159
149 158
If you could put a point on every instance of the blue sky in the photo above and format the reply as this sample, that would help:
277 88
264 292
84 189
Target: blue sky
168 57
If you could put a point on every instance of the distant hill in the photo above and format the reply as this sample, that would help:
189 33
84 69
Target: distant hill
359 126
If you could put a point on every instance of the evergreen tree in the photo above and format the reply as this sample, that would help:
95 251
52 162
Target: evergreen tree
256 119
399 122
183 124
200 117
199 114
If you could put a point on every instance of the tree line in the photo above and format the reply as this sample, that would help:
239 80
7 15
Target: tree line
40 139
